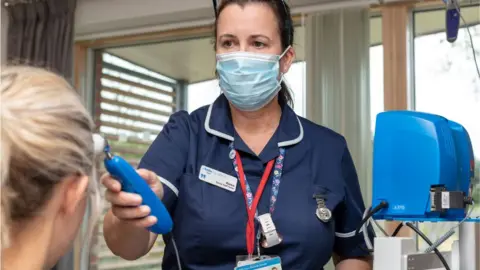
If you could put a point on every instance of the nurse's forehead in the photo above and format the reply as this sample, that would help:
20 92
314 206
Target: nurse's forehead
251 19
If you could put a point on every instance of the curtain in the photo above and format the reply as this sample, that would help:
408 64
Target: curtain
4 32
40 33
338 94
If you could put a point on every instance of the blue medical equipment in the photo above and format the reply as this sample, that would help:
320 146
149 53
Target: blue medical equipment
132 182
423 168
452 19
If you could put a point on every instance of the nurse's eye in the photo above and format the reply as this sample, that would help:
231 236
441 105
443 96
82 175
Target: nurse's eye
258 44
227 44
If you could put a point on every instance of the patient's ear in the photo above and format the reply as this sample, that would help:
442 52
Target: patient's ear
74 189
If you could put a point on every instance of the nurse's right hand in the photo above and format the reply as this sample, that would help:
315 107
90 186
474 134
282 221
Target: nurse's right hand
127 206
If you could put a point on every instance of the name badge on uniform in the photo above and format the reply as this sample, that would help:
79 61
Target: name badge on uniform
217 178
262 263
270 236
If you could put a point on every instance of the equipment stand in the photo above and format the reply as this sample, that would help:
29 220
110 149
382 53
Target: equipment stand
469 242
399 253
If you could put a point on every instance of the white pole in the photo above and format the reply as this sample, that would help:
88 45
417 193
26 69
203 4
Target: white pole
469 241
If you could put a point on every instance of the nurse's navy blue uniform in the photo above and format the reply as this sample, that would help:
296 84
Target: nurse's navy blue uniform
210 222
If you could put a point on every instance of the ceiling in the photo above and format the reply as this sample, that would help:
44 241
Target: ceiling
193 60
97 19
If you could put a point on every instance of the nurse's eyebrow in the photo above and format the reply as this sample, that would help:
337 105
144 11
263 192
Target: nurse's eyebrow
260 36
227 36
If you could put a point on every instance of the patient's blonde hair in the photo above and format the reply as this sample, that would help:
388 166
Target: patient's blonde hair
46 136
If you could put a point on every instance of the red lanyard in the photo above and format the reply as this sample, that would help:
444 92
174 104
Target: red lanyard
250 231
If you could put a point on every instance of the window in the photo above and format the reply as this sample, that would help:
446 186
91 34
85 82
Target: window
447 83
376 70
296 78
132 105
376 83
204 93
201 94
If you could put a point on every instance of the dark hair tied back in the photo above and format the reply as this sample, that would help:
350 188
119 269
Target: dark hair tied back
285 25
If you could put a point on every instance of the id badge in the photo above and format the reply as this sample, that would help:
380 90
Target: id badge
260 263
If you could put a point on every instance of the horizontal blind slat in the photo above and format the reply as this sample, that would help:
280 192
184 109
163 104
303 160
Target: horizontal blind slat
137 85
128 140
137 96
128 127
134 107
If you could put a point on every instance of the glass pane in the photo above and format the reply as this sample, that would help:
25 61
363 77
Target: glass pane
376 83
201 94
447 83
376 79
376 70
295 79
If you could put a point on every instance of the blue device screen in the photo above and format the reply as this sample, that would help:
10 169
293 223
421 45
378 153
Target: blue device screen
133 183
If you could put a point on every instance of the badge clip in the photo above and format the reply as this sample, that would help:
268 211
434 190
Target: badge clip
270 236
323 213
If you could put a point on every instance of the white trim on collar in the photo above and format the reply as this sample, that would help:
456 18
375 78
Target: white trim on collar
296 140
230 138
213 131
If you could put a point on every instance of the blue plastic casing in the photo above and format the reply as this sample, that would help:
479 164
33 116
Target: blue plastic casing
412 152
133 183
452 20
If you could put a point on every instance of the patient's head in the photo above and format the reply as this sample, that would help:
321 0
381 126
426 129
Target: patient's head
47 163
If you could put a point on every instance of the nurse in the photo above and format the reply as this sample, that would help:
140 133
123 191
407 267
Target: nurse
246 175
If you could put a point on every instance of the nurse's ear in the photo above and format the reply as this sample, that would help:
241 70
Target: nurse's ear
287 60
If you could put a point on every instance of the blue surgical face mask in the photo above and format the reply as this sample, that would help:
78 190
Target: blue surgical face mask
249 80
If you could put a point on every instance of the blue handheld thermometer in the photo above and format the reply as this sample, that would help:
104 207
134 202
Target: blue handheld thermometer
131 182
